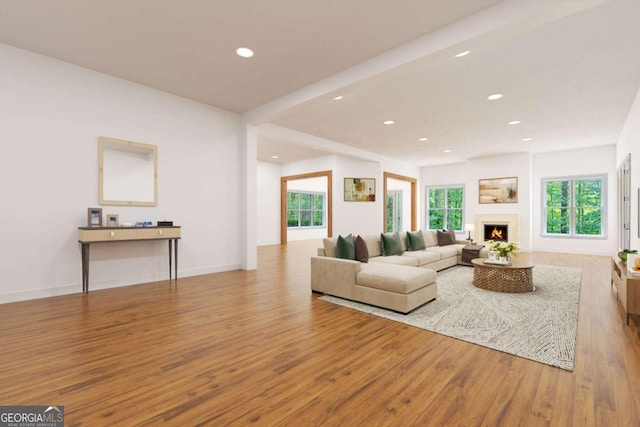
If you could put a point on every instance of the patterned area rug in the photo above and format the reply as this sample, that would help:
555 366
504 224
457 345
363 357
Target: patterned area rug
539 325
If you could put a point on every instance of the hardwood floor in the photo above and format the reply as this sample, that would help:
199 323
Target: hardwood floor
257 348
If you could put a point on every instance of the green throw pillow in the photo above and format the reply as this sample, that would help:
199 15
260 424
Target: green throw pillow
415 240
345 247
391 244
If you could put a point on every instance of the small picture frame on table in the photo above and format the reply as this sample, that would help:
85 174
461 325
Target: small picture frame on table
112 220
94 217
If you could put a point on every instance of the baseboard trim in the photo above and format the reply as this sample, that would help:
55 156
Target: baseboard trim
95 285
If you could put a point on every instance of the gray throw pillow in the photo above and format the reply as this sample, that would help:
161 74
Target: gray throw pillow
415 240
445 238
345 248
391 244
362 253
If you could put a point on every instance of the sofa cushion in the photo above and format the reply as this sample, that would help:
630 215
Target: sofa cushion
423 257
430 238
329 245
415 240
445 251
362 253
373 244
391 244
395 278
445 238
395 259
345 248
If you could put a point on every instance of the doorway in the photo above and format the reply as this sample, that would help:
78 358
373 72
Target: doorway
284 185
388 220
624 203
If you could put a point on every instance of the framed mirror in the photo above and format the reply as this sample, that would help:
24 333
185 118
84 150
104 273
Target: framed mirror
127 173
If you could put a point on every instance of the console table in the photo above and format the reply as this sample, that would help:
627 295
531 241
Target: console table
628 287
89 235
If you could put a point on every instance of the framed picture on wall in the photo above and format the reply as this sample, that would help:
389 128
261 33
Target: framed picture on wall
359 189
498 190
94 217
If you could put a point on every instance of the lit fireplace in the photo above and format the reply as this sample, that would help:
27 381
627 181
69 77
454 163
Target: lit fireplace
496 232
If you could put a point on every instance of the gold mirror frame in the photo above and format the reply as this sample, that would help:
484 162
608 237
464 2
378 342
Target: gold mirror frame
127 173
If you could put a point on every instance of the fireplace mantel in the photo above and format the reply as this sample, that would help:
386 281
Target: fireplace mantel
512 221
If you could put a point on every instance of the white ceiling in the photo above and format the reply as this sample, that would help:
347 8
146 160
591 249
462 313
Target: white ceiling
568 69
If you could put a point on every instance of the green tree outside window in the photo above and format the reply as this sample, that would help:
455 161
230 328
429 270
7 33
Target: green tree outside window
574 206
445 207
305 209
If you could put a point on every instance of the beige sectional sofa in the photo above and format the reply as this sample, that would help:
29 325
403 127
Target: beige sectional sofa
397 282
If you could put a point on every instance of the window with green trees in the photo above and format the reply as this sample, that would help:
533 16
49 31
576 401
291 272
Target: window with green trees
574 206
305 209
445 207
394 210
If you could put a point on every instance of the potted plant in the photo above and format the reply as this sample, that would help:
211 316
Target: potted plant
623 255
504 250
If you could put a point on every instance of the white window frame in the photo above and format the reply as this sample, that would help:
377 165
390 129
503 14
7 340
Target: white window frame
572 207
446 208
324 210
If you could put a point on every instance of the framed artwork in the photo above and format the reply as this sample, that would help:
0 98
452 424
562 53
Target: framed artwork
112 220
94 217
359 190
498 190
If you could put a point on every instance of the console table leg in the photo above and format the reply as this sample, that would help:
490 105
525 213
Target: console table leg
85 268
170 256
176 257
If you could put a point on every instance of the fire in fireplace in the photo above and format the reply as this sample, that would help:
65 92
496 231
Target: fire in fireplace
496 232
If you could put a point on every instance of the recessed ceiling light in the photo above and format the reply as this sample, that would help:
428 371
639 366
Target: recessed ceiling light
514 122
461 54
527 139
494 96
448 150
389 122
275 157
424 138
338 98
245 52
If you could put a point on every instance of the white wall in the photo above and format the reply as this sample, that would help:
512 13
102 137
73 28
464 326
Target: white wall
588 161
629 142
468 173
356 217
501 166
51 114
348 217
268 175
530 169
